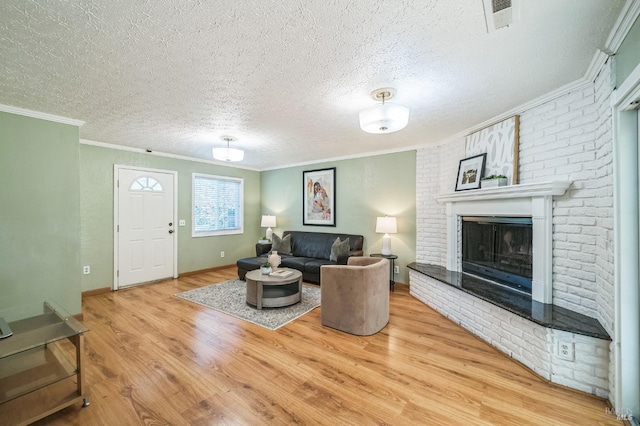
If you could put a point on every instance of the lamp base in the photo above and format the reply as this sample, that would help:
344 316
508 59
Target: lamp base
386 245
269 233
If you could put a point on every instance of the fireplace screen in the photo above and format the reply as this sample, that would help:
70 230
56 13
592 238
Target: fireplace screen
498 249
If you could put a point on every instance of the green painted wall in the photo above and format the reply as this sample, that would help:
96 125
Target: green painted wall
39 216
366 187
628 55
96 186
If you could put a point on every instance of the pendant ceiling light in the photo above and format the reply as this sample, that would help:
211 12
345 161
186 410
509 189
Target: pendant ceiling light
228 154
386 117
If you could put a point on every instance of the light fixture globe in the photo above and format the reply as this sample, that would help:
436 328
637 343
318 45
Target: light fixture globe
228 154
386 117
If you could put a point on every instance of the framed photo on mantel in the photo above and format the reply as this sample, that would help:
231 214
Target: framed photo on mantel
470 171
319 197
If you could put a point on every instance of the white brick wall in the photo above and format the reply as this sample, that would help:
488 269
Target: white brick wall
525 341
568 138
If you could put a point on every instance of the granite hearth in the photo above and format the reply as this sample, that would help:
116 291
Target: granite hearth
546 315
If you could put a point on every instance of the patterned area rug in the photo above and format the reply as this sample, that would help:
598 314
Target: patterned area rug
229 297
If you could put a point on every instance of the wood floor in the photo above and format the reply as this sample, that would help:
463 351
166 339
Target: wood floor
155 359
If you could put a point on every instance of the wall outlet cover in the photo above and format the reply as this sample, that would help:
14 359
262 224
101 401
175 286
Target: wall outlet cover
566 350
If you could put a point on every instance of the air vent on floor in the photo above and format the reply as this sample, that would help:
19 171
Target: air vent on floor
500 13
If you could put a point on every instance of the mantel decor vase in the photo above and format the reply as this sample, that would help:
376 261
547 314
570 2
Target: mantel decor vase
274 260
493 183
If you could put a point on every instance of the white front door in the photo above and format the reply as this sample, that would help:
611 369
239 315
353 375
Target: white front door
145 226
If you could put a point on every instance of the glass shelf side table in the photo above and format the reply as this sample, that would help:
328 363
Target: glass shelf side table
40 372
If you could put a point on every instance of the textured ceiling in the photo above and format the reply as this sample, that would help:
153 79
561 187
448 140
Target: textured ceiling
286 78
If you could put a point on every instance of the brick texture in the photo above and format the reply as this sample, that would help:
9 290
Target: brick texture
567 138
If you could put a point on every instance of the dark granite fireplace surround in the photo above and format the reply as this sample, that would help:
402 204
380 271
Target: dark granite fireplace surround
547 315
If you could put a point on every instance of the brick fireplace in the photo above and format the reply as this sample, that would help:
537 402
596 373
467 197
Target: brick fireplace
532 200
526 327
565 141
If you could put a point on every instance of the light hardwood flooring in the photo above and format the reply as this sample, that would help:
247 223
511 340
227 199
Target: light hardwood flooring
156 359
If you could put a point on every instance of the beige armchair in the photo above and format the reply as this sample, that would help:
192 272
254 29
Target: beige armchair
355 296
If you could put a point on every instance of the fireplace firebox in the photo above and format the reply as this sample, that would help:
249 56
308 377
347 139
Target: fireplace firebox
499 249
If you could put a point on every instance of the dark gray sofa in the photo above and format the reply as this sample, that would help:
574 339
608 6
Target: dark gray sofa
310 250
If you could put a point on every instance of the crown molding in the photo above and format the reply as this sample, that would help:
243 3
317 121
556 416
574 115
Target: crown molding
597 62
41 115
162 154
621 28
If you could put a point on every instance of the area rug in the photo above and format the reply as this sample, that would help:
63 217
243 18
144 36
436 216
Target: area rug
229 297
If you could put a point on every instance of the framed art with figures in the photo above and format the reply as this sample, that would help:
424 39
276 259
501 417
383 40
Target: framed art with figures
319 197
470 171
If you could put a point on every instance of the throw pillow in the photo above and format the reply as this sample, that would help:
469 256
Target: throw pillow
339 248
281 245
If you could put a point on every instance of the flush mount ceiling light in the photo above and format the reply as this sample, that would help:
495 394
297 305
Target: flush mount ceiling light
228 154
386 117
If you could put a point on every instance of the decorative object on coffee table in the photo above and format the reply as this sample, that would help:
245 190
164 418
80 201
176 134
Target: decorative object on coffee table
274 260
493 181
470 172
265 268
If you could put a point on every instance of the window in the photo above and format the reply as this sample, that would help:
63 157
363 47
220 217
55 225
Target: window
217 205
146 183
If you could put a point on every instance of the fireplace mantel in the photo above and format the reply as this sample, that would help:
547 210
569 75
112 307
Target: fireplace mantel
533 200
553 188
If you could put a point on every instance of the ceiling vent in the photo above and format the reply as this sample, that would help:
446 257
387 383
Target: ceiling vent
500 13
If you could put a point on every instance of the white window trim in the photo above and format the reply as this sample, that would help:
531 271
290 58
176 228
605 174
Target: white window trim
240 230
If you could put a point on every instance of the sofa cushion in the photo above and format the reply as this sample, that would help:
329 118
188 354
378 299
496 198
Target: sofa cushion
251 263
295 262
314 265
281 245
312 244
339 248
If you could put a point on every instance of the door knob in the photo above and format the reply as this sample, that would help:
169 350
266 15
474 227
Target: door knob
170 223
171 231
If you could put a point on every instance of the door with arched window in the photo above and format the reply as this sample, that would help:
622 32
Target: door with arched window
145 225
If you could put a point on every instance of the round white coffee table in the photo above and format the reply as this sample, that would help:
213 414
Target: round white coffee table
267 291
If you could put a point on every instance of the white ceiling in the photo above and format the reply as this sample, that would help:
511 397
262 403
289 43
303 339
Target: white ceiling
286 78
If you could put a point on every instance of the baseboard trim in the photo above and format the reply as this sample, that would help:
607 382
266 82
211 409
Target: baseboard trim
203 271
96 291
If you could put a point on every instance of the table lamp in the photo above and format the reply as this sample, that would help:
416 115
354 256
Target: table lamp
386 225
267 222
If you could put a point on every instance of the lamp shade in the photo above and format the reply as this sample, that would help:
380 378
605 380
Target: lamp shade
386 225
386 117
228 154
268 221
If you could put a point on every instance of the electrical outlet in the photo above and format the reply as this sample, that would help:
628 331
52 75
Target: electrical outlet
86 270
566 350
396 269
182 222
221 254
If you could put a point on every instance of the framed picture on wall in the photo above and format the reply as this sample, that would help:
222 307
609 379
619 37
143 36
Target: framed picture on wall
319 197
470 171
